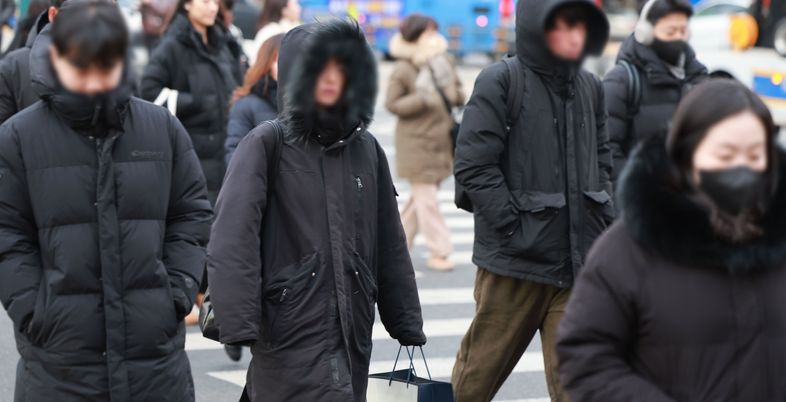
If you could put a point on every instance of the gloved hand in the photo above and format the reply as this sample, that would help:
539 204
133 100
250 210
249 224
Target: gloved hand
418 339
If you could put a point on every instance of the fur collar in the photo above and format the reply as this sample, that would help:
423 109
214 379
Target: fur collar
665 221
304 52
420 52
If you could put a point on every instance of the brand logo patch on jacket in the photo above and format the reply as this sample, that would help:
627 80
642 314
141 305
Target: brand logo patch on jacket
147 155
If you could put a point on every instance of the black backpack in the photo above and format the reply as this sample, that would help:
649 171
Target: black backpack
634 93
513 102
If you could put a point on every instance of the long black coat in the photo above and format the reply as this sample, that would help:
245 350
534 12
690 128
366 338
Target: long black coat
541 191
303 289
667 311
102 236
205 77
661 91
16 92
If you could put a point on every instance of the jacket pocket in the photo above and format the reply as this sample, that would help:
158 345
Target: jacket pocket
35 327
286 294
598 215
542 233
362 299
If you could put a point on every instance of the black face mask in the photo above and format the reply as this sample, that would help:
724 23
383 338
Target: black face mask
671 52
734 190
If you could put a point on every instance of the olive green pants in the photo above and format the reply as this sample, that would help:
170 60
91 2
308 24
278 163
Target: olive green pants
508 313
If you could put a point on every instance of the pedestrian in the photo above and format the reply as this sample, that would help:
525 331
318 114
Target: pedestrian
104 219
27 24
278 17
308 239
16 90
682 299
235 40
665 69
423 89
257 99
194 71
538 179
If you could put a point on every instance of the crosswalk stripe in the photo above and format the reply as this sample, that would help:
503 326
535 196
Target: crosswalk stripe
458 239
441 367
459 257
460 222
442 196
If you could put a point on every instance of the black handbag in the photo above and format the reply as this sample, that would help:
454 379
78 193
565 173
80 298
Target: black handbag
207 316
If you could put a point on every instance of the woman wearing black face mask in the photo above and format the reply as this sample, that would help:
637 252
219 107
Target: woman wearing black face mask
666 67
683 298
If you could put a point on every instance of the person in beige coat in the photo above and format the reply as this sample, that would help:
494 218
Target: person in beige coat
423 79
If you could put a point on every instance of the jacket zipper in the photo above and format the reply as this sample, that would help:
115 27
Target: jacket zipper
273 332
358 203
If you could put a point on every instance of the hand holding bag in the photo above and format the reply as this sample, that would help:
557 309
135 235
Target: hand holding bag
406 386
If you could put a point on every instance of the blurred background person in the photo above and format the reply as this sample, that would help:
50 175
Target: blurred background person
235 42
28 24
658 54
422 90
278 16
682 299
156 16
256 100
16 90
194 73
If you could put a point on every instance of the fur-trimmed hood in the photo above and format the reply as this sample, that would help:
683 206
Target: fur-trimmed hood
420 52
664 220
304 52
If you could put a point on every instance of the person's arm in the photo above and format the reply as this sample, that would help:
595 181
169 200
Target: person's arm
234 263
615 86
398 301
406 103
605 164
8 106
187 223
598 330
20 255
481 145
241 122
159 75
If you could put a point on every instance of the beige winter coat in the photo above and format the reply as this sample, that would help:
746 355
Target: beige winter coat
424 151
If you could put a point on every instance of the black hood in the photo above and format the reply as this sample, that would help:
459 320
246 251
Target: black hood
71 107
38 29
663 219
531 19
304 52
656 69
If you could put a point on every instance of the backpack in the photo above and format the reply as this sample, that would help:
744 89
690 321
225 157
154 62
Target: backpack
634 93
513 103
207 316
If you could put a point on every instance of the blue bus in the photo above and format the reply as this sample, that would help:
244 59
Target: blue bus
471 26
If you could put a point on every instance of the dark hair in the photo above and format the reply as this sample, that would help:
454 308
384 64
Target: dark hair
90 32
229 4
571 14
705 106
413 26
273 11
57 3
662 8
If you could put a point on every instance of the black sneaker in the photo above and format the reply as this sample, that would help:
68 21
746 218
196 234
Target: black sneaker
235 353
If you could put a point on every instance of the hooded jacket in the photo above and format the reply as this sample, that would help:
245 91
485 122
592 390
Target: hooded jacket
16 93
204 77
424 149
104 218
297 273
666 310
540 188
661 92
251 111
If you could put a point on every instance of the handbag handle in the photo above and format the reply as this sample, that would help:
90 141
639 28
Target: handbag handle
411 355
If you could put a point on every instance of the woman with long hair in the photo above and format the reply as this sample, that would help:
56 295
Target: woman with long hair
278 17
682 299
194 73
256 100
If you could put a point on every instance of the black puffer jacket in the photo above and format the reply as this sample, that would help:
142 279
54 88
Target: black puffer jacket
102 236
661 91
205 77
541 190
303 289
667 311
16 92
